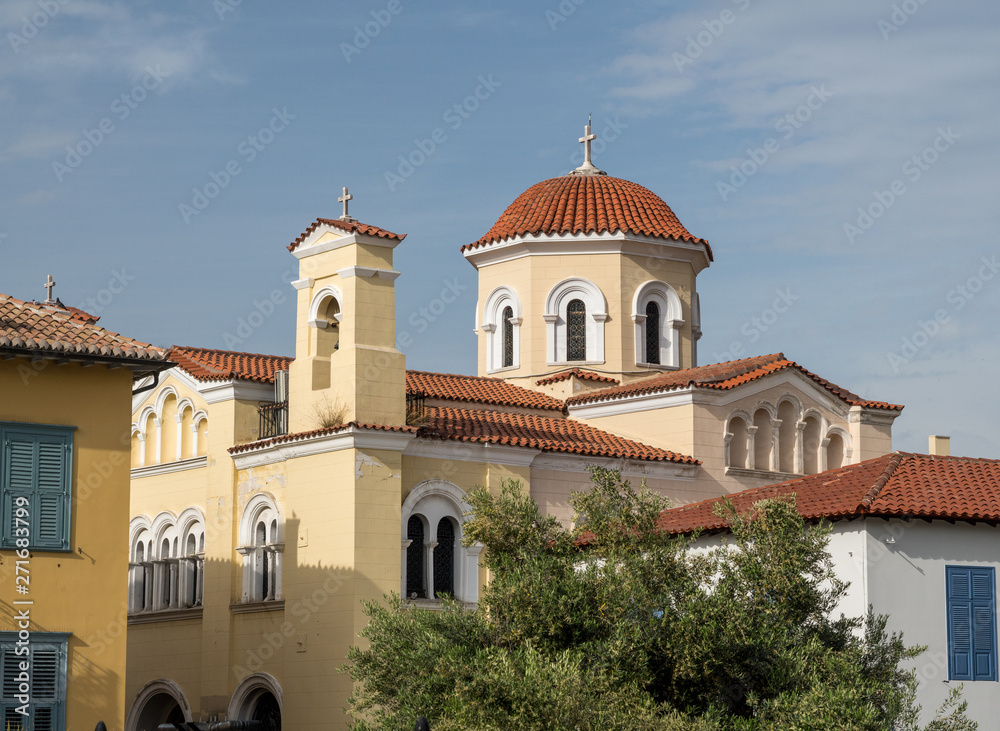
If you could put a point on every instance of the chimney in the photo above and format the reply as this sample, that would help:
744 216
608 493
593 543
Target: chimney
940 446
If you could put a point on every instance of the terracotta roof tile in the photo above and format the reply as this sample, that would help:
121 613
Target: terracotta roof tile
576 204
205 364
723 376
55 328
900 484
477 389
306 435
581 374
348 226
539 432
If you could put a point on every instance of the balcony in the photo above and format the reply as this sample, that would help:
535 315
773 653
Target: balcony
273 420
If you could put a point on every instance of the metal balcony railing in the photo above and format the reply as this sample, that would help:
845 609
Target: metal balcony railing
273 420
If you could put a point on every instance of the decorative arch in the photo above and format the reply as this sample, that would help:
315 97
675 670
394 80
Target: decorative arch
249 693
261 537
441 510
167 431
739 445
812 429
557 320
789 441
763 437
659 337
199 425
501 354
148 710
836 448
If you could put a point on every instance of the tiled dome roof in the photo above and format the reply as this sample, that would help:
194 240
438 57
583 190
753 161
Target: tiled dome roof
575 204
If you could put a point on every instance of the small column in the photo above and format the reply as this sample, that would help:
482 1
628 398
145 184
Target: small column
751 447
775 445
800 442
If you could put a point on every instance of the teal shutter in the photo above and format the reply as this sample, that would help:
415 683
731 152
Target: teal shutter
37 466
972 629
48 658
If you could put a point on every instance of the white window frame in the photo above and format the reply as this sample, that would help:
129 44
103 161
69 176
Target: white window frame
671 322
556 321
262 507
433 500
492 325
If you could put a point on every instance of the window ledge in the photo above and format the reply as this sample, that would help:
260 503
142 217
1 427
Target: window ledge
762 474
252 607
574 362
657 367
437 605
514 367
167 467
165 615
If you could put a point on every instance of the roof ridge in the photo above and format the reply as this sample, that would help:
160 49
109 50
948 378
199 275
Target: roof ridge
892 464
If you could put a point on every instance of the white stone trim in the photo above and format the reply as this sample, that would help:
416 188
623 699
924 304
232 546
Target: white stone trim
560 462
482 453
556 303
320 296
181 465
148 691
348 439
241 704
304 283
262 507
356 271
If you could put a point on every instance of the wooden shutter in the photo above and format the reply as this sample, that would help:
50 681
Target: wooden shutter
971 601
47 709
37 465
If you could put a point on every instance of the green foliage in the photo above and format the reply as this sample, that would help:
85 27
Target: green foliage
616 625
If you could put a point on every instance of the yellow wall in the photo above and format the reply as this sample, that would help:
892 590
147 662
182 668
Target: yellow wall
82 591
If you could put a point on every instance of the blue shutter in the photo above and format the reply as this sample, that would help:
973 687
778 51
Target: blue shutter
37 465
972 639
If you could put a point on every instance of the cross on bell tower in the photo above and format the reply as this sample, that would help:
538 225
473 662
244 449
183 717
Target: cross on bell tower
49 284
588 167
344 199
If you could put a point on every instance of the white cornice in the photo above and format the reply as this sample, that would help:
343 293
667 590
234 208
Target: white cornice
634 404
215 391
482 453
303 283
309 247
590 243
351 438
356 271
180 465
628 467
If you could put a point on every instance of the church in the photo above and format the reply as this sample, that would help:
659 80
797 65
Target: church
272 495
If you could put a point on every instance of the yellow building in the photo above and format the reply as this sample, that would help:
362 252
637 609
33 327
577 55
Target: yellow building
272 495
65 385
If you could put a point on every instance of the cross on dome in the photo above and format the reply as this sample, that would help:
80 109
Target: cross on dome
588 167
344 199
49 284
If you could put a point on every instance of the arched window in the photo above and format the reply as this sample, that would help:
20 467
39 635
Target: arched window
810 446
501 323
415 575
444 559
737 443
788 414
140 566
434 561
652 332
762 440
575 314
508 337
656 312
261 548
835 452
576 330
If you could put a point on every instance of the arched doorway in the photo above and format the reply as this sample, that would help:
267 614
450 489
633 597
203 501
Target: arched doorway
257 698
159 702
267 711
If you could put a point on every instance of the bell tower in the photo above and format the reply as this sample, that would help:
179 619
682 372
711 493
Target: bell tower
347 367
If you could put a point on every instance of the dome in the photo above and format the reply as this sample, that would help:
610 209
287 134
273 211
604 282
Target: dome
582 204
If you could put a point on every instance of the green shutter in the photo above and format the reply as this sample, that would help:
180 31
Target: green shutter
37 465
47 709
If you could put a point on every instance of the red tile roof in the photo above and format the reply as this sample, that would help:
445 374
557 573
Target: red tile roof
348 226
205 364
54 328
539 432
581 374
900 484
477 389
574 204
305 435
723 376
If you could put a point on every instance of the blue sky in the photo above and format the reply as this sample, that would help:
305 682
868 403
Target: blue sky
841 158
